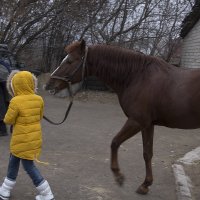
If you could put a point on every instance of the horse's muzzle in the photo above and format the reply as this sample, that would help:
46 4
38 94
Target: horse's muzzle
50 89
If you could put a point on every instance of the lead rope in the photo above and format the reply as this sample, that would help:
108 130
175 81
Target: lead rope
67 111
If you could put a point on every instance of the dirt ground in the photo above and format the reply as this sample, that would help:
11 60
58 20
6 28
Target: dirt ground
97 96
78 153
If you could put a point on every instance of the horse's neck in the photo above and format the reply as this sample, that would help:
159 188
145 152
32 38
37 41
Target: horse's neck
104 71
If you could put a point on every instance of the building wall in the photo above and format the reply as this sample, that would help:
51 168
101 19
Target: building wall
190 56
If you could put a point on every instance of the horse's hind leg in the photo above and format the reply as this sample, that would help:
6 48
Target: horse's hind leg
147 136
129 129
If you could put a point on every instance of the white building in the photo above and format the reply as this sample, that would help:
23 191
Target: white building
190 33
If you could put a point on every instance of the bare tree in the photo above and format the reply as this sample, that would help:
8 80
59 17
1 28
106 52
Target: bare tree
24 20
150 26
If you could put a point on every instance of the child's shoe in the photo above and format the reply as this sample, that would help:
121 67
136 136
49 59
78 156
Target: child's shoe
45 192
5 189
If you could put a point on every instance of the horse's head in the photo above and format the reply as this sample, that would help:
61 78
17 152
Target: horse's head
71 70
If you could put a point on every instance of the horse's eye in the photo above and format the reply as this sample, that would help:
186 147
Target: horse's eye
69 61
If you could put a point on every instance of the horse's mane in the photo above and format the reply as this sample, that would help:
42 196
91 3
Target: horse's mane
120 65
113 61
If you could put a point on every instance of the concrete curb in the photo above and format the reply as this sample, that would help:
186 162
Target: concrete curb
183 182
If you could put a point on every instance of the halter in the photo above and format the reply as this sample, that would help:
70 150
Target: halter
68 80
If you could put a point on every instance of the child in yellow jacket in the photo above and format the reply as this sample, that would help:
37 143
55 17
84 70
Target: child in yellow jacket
24 113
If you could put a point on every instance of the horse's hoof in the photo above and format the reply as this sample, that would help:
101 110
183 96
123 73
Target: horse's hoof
142 190
120 179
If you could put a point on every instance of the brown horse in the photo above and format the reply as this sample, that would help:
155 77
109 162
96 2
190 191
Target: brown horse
150 91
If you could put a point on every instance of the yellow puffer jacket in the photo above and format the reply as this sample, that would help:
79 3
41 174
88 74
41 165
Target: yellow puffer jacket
24 113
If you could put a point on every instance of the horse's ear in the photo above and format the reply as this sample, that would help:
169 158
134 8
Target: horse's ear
83 44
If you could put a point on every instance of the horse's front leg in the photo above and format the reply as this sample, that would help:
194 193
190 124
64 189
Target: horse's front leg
147 136
130 128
